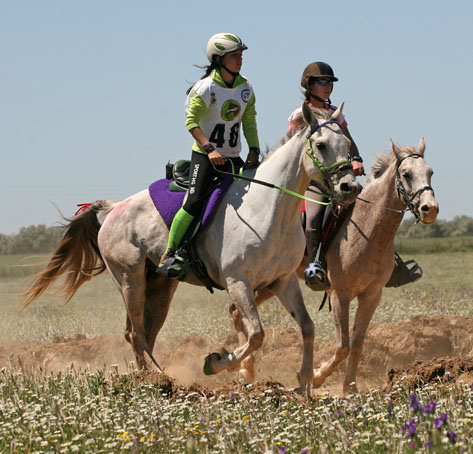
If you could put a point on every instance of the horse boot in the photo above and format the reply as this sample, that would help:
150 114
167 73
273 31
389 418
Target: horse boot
404 272
315 275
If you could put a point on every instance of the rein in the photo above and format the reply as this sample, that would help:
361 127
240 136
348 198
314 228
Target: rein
327 172
237 177
402 193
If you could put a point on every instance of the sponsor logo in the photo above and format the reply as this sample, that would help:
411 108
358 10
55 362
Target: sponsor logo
194 177
230 110
245 95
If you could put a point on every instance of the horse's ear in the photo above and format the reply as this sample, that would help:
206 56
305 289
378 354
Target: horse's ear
421 147
337 115
308 114
395 150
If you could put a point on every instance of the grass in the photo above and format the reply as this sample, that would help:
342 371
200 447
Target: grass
102 411
434 245
107 412
97 308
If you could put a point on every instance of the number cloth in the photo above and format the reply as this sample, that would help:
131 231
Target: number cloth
219 110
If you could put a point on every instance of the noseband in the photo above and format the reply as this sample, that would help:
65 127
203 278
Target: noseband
402 193
333 169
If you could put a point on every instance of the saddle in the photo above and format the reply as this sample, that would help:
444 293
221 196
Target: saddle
186 254
179 174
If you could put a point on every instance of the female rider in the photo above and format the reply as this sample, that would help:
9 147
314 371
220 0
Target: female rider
317 80
216 106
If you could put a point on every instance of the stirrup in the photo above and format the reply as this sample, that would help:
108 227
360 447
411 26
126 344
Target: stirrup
176 266
404 272
316 277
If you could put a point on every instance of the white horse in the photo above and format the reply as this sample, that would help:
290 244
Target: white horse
360 257
254 241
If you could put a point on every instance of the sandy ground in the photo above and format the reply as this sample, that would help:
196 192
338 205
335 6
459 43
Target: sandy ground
439 344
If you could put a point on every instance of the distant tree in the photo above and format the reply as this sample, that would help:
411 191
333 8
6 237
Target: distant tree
35 239
459 226
5 242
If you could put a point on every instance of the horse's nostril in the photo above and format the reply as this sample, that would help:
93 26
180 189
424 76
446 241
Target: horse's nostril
425 208
349 188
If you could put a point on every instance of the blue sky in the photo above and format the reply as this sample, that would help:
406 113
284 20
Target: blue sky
92 93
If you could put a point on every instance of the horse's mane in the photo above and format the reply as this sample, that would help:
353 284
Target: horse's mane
384 160
300 124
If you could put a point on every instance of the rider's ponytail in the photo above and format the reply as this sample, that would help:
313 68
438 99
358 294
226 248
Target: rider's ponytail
208 69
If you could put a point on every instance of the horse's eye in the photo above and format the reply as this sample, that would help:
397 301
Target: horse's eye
320 145
407 175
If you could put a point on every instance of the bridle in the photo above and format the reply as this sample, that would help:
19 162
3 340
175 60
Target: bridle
402 193
327 172
407 199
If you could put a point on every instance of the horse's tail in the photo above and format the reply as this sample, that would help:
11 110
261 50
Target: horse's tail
77 257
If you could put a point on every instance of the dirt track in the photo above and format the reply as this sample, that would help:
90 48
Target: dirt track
388 346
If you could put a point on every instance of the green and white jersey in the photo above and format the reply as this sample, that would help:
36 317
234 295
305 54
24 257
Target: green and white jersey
219 111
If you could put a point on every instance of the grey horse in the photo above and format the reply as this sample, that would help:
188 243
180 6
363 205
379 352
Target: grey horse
254 241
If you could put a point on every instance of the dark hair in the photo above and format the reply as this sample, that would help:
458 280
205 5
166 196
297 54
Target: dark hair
311 81
208 69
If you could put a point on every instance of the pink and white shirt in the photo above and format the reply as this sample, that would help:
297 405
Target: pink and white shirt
295 116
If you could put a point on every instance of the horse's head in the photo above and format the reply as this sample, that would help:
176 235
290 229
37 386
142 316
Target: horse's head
413 177
327 156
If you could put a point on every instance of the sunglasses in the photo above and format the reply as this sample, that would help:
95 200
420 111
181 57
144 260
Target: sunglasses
324 82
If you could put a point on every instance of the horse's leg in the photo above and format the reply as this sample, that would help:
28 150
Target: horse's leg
340 310
128 330
242 297
247 370
159 292
133 286
367 304
288 291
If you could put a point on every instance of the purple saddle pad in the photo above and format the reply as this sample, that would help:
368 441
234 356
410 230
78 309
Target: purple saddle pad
168 203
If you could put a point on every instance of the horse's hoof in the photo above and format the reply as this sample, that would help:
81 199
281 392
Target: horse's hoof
318 380
304 384
350 389
247 376
209 359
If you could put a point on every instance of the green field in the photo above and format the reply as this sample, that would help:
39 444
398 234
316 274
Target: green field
84 411
97 308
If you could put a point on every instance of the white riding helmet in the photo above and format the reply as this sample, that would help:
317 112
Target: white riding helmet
223 43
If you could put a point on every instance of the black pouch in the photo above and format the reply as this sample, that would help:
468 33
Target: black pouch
169 168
